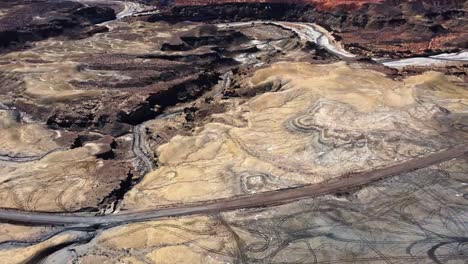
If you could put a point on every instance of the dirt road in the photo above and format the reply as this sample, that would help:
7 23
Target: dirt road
241 202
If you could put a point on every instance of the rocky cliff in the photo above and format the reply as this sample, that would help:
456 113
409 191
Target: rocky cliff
23 21
393 28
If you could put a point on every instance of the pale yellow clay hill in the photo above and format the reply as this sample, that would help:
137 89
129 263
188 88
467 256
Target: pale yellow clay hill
325 121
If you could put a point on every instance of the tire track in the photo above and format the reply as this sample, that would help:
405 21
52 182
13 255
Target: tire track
265 199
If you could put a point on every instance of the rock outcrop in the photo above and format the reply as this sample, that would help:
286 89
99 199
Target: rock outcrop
37 20
187 133
390 28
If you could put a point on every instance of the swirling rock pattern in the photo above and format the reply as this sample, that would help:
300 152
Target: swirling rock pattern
340 125
420 221
325 121
252 182
65 180
73 130
95 89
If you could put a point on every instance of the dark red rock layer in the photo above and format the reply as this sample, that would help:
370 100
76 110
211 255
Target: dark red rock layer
394 28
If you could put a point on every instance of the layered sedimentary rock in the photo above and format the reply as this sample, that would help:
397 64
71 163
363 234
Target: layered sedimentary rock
126 76
19 139
68 141
187 240
378 28
66 180
325 4
103 125
320 122
421 221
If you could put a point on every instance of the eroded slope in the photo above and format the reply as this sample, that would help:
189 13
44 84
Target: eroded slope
321 121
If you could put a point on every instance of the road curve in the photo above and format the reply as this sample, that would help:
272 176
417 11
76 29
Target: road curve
241 202
306 31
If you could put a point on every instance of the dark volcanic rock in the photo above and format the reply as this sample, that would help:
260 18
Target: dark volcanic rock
32 21
372 28
232 12
95 14
186 90
227 38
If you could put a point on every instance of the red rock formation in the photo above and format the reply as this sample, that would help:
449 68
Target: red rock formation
324 4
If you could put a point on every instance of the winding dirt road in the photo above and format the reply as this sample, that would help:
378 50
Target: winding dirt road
23 159
129 8
320 36
241 202
306 31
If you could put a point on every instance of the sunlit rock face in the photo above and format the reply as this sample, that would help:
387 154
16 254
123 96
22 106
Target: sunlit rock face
415 217
113 80
20 139
38 173
109 127
68 106
187 240
65 180
322 122
66 82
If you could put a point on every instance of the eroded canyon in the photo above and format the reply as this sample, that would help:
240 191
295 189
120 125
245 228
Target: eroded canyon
233 132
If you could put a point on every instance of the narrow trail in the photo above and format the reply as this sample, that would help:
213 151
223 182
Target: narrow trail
272 198
23 159
306 31
128 8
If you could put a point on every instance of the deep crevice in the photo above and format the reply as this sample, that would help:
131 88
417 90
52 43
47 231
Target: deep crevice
116 195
